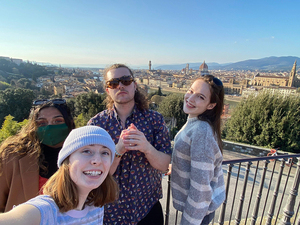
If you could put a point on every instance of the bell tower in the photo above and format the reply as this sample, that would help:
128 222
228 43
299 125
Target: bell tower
292 75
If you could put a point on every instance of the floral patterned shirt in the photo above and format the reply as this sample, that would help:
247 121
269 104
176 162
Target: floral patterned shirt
139 183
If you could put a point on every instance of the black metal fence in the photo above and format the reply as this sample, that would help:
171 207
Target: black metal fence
259 190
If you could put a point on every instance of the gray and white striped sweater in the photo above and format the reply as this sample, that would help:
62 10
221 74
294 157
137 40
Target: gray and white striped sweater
197 177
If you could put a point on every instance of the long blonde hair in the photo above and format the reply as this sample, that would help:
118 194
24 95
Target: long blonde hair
64 192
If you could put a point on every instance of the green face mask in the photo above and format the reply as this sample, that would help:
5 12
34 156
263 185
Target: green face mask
52 134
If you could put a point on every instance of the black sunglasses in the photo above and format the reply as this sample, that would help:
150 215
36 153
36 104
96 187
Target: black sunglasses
217 81
57 101
114 83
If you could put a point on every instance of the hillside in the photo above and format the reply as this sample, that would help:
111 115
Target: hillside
10 70
283 63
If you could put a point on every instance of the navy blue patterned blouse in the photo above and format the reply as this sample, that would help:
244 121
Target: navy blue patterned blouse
139 182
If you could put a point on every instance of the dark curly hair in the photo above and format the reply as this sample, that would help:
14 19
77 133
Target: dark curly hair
25 142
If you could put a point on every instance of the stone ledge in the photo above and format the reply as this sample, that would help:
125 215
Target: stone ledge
248 149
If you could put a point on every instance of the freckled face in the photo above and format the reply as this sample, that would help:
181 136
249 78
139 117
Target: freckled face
197 99
89 167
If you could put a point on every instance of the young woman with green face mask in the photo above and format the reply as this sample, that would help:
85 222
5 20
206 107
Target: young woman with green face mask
52 129
29 158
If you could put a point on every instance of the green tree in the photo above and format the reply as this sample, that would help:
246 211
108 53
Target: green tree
10 127
158 92
266 120
172 107
16 102
44 94
13 82
157 99
7 65
81 120
89 104
4 85
15 70
22 82
71 105
32 69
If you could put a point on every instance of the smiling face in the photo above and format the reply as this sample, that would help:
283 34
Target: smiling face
89 167
121 94
197 99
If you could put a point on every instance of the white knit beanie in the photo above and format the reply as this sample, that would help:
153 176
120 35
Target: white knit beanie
87 135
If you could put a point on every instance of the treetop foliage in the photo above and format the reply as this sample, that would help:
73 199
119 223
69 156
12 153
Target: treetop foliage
88 104
4 85
267 120
10 127
157 99
158 92
16 102
172 107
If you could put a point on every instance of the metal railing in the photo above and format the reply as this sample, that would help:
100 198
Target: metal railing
260 190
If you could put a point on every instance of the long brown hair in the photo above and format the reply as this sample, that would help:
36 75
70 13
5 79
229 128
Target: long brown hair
213 116
64 192
25 142
139 97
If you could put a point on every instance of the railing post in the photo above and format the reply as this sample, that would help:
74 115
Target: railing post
223 208
262 181
242 198
288 211
168 201
298 221
275 194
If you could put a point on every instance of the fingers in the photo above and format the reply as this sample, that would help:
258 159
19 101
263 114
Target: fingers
121 147
132 127
133 139
130 143
169 170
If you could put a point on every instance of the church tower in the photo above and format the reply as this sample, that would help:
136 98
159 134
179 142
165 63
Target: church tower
187 69
292 75
149 65
203 69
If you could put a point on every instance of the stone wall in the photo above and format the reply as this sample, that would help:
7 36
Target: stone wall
247 149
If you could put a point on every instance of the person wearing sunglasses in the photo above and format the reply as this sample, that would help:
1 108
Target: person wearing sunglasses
29 158
197 181
143 150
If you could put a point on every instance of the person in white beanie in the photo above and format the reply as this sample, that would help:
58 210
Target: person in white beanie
77 192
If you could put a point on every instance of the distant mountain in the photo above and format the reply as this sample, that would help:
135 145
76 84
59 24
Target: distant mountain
194 66
269 63
272 63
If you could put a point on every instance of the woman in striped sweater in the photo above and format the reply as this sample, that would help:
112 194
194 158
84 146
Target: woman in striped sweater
197 178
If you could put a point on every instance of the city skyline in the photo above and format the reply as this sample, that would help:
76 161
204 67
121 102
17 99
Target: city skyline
95 33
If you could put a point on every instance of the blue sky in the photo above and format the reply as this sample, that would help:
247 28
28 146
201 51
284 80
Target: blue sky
98 32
